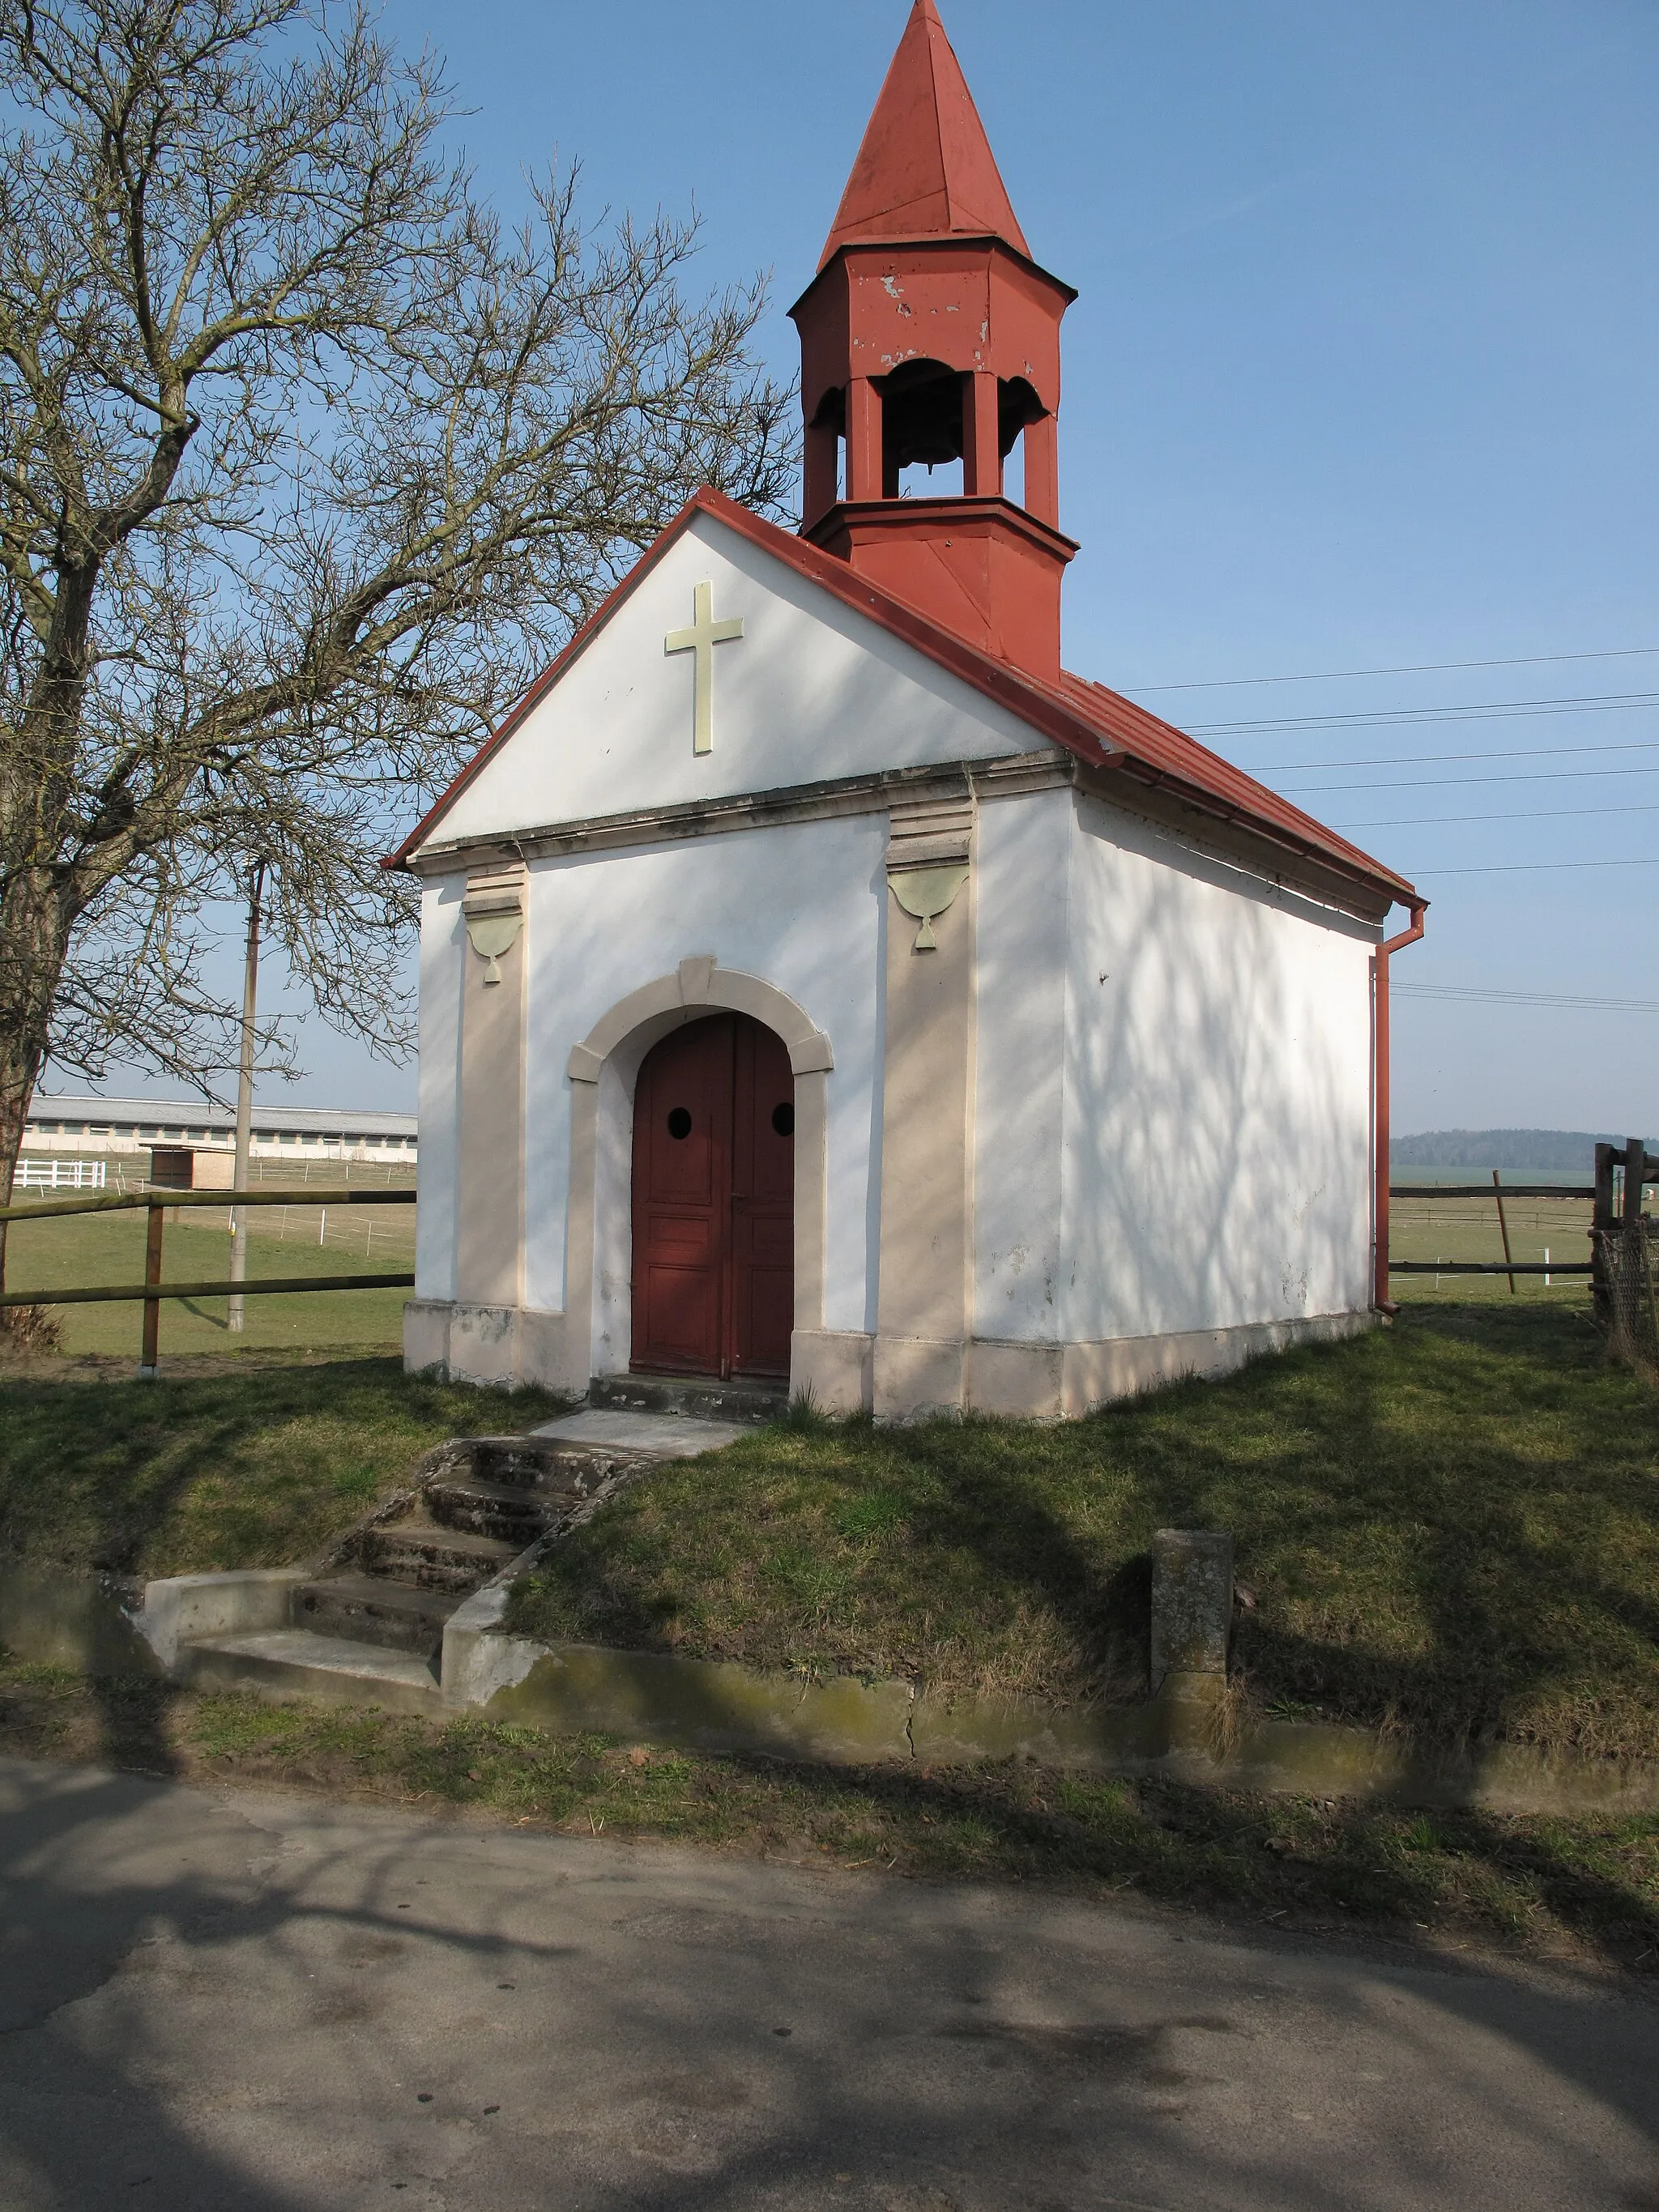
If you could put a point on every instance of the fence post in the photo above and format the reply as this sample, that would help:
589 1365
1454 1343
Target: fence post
1638 1261
147 1352
1634 1169
1503 1224
1601 1218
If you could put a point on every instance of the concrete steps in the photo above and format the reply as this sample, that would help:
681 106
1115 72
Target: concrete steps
499 1512
428 1556
693 1397
483 1500
298 1662
368 1626
375 1609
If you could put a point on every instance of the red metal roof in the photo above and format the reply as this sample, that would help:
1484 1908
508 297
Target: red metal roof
924 167
1158 752
1098 726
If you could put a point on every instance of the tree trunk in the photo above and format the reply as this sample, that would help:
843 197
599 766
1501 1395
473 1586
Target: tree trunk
33 944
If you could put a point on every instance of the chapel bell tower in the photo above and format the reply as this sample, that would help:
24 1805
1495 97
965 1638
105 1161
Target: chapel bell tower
930 336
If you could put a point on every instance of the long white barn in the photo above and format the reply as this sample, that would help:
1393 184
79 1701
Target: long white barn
818 982
62 1122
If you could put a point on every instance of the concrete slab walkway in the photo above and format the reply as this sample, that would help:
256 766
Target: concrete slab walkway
673 1435
228 2001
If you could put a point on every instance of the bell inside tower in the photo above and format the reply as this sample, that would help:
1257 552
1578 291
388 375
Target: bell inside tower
921 421
923 425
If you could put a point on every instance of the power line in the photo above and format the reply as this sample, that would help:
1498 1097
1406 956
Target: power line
1451 782
1495 998
1527 814
1532 867
1491 710
1413 668
1503 752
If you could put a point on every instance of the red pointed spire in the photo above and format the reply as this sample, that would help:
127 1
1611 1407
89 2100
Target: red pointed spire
924 169
929 334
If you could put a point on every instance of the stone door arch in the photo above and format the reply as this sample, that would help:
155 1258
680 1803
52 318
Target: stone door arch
603 1071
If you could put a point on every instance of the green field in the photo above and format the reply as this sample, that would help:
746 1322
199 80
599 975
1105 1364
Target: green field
91 1250
1425 1227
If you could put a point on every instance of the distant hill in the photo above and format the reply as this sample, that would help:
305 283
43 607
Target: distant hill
1573 1150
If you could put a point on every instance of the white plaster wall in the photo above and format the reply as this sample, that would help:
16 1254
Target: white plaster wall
1023 865
811 690
801 906
443 942
1217 1112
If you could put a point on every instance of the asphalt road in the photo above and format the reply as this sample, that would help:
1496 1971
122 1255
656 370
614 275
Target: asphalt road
224 2001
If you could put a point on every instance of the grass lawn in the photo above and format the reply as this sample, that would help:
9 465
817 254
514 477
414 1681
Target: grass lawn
88 1250
1583 1890
1450 1527
256 1464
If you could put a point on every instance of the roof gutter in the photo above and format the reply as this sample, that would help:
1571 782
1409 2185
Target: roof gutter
1381 1063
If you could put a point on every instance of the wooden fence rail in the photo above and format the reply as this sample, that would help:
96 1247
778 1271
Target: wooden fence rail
118 1202
1640 1169
256 1285
1491 1267
1485 1189
157 1204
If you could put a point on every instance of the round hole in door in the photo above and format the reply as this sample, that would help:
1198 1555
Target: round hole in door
679 1122
783 1119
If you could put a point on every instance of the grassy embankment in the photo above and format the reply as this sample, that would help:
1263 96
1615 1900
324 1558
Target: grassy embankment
1451 1525
1450 1528
256 1465
1584 1890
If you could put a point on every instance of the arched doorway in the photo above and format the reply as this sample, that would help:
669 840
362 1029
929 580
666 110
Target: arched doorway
713 1201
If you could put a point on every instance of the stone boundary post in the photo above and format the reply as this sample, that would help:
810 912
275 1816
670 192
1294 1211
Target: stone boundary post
1192 1622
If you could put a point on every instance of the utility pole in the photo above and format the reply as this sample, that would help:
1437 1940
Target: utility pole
234 1304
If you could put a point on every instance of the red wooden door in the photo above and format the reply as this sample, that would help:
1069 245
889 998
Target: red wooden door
713 1201
763 1269
682 1198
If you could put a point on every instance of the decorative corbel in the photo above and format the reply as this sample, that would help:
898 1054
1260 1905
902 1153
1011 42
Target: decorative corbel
493 910
928 844
925 894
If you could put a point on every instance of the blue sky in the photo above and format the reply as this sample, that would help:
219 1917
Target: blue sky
1365 373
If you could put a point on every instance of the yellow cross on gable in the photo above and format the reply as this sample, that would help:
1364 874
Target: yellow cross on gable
704 635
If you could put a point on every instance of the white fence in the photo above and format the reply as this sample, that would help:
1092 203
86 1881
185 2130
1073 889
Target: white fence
61 1175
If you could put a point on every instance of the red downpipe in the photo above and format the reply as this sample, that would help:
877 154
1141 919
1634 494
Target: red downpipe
1419 908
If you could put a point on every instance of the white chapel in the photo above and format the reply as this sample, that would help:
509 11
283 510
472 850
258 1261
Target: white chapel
821 986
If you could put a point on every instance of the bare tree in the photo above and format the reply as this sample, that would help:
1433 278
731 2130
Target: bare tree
306 463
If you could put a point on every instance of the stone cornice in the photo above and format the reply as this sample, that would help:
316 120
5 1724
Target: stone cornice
1240 843
757 809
